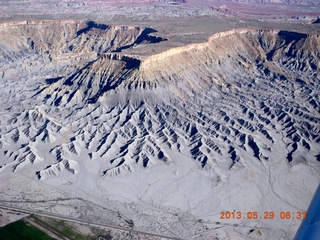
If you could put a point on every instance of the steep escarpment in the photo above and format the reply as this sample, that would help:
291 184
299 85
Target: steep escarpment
67 39
239 51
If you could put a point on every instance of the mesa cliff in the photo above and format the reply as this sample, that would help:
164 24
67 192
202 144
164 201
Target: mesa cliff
80 68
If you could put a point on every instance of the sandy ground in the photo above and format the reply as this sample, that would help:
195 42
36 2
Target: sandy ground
8 216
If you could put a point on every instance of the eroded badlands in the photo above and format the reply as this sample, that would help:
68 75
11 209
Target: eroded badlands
167 140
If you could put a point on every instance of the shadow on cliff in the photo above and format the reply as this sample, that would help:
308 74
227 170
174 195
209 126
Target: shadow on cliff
286 37
144 37
91 25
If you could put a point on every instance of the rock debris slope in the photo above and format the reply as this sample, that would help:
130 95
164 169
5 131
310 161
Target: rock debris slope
244 107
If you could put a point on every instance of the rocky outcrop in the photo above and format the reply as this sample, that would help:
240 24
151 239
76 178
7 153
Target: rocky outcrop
238 96
242 49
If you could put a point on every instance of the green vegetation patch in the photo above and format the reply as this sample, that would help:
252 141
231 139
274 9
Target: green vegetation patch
60 228
22 230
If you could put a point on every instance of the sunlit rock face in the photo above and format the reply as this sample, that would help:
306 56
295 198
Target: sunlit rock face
242 108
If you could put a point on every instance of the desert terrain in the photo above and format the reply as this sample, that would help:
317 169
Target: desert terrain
161 117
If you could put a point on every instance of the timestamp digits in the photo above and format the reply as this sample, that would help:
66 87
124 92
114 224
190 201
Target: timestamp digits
268 215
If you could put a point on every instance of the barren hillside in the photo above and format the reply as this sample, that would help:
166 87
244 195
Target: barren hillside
169 140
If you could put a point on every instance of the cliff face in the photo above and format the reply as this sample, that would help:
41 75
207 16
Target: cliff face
71 49
58 38
233 52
